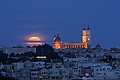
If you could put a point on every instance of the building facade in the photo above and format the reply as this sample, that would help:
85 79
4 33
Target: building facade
19 50
86 41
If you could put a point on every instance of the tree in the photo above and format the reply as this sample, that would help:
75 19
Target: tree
46 50
3 57
6 78
88 56
28 54
17 55
12 55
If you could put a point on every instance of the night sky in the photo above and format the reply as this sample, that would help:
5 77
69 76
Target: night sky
22 18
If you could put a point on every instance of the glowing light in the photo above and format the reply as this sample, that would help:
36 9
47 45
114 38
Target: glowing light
34 38
34 43
87 74
41 57
115 65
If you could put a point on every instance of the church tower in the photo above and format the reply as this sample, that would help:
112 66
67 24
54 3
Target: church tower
86 37
57 42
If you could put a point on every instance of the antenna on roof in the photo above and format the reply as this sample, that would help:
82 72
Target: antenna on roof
88 27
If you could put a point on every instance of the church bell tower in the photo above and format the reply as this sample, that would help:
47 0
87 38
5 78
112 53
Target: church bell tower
86 37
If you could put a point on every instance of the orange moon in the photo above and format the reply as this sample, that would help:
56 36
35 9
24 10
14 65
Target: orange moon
34 40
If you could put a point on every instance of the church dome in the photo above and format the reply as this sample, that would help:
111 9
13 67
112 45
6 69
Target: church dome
98 46
58 39
88 28
84 28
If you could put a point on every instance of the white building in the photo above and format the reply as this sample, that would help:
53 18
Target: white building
19 50
25 74
106 73
65 73
55 74
17 66
38 64
34 74
28 64
44 74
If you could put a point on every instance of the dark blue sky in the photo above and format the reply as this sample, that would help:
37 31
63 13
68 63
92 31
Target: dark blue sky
21 18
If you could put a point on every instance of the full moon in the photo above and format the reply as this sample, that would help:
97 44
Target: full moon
34 40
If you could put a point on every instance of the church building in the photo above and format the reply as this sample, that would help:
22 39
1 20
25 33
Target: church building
86 41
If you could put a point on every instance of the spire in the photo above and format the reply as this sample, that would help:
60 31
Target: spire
84 28
88 27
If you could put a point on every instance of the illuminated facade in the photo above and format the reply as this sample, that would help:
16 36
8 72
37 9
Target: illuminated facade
86 41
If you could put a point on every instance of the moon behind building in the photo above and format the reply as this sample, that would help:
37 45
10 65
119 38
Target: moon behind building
34 40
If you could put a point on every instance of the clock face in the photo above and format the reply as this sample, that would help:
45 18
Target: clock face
88 39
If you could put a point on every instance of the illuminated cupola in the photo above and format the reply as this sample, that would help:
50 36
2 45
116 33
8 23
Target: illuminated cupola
57 42
84 28
57 39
